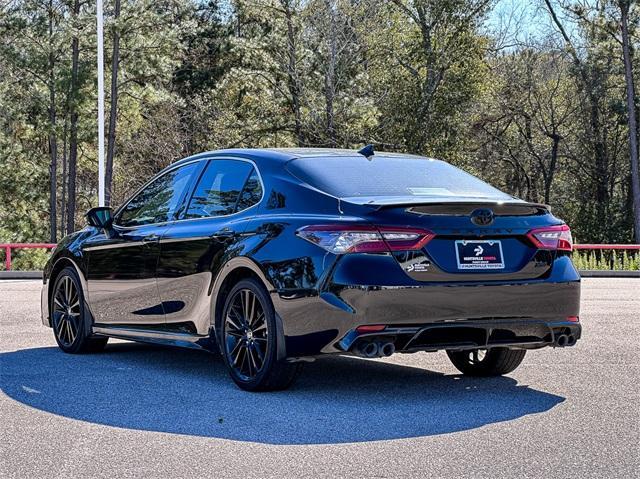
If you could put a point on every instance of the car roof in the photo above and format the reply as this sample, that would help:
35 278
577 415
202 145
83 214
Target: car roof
282 155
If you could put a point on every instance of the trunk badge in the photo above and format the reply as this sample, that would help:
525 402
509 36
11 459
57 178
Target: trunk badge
482 217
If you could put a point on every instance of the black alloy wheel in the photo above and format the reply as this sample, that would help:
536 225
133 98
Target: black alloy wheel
487 362
66 311
250 340
67 316
246 334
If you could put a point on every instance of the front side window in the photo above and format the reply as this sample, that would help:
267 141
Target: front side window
158 201
226 186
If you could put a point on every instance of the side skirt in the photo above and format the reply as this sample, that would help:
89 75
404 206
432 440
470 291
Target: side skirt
182 340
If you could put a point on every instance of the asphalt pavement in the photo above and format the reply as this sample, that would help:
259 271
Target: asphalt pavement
145 411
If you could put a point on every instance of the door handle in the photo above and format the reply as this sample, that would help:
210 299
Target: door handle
224 233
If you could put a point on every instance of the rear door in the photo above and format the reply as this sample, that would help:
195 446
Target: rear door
195 247
122 261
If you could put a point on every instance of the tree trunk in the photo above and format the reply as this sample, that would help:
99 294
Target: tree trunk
330 74
631 112
113 113
292 74
63 200
73 133
550 173
53 141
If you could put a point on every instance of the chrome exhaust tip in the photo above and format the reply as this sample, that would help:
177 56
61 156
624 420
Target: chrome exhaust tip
386 349
366 349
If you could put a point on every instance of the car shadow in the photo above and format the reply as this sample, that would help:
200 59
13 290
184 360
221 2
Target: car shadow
336 399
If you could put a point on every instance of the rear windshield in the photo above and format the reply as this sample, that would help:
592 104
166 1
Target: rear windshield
384 177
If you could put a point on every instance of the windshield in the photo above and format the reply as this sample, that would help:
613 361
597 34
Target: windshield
385 177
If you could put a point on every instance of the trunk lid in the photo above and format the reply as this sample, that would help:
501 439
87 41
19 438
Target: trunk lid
475 240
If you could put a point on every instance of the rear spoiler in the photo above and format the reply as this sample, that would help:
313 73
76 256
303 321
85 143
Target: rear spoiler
464 208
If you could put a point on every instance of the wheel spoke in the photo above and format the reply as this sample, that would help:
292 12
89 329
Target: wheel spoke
243 305
67 289
69 332
261 327
252 308
72 330
75 305
235 325
258 317
252 360
258 351
244 359
236 309
64 332
235 352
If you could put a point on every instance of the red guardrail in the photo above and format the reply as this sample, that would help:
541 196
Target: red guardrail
9 246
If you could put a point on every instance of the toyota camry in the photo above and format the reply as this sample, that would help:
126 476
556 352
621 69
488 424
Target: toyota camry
274 257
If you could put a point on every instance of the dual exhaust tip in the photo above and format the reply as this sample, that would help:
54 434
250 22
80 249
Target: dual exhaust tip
374 349
565 340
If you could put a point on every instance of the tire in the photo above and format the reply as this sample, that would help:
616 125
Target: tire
249 340
68 316
494 362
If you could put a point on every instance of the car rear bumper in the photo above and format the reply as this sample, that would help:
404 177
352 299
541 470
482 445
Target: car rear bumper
497 313
470 334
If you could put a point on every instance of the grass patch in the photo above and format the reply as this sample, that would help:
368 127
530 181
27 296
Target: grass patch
606 260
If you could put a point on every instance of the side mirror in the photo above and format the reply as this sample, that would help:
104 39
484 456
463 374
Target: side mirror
100 217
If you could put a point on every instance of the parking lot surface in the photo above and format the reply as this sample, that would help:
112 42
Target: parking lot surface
146 411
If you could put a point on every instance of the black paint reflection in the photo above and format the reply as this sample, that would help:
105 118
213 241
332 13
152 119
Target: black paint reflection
293 274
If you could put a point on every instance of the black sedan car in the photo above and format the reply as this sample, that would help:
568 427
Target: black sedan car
276 256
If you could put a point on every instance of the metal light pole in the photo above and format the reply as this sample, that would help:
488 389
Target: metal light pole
100 21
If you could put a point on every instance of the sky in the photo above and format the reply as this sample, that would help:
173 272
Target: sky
522 20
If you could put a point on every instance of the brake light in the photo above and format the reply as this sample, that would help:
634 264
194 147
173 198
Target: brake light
341 239
552 237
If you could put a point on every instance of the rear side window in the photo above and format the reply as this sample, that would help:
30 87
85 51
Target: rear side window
222 191
251 193
159 200
385 176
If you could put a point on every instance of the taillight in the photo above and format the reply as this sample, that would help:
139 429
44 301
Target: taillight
341 239
371 328
552 237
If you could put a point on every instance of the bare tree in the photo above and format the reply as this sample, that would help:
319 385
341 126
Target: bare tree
591 89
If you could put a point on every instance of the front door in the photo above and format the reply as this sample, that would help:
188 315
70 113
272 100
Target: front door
122 262
122 276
